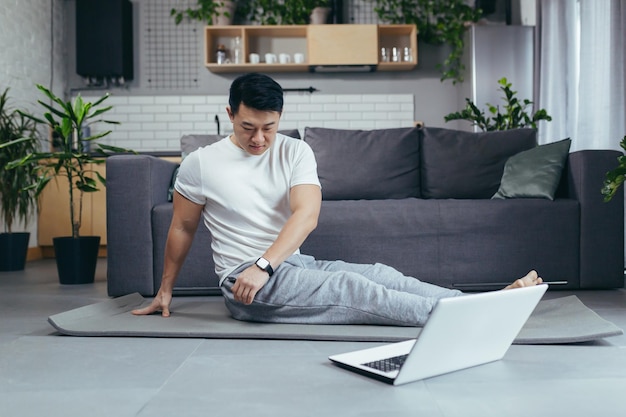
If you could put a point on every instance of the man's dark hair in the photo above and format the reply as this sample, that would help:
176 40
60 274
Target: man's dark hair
256 91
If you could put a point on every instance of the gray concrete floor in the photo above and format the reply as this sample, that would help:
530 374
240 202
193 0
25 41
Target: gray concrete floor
45 374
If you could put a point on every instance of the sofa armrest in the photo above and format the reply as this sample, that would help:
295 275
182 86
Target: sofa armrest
601 224
135 184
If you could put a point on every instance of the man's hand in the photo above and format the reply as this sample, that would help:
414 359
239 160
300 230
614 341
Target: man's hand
248 283
160 303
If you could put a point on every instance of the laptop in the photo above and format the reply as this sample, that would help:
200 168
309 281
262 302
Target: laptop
461 332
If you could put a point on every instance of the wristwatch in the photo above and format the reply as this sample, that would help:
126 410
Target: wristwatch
264 264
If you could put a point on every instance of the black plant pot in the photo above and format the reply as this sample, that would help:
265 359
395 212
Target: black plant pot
13 249
76 259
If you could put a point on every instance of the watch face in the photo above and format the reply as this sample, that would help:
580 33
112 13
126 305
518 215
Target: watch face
262 263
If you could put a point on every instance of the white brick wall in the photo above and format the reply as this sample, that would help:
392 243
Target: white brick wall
156 123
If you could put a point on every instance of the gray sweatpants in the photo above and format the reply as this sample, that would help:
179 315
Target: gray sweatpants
305 290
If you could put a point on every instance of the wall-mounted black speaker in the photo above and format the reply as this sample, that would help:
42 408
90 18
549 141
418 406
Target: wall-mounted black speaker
104 38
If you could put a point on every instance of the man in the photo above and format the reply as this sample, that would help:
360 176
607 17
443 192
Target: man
258 193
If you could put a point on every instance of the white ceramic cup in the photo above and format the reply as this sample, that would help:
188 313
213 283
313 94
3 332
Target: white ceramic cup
298 58
254 58
270 58
284 58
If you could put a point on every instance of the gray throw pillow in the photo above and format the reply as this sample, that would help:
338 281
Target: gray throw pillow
292 133
366 164
535 173
189 143
459 164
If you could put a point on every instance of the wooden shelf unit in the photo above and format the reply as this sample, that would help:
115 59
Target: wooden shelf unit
322 45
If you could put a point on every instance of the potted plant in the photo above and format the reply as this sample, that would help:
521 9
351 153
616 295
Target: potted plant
220 12
441 22
319 12
72 159
280 12
515 115
18 137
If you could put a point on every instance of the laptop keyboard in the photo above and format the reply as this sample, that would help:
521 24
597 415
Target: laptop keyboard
388 364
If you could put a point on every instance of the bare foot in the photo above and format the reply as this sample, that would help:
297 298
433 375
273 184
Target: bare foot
529 280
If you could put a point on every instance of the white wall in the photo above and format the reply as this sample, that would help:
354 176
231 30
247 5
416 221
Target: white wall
32 50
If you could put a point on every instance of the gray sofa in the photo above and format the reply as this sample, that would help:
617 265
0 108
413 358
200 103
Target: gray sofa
417 199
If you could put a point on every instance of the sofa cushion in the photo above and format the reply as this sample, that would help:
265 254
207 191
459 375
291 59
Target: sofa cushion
366 164
198 269
458 164
189 143
450 242
534 173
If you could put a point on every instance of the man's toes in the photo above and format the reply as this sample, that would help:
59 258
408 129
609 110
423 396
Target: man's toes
531 276
528 280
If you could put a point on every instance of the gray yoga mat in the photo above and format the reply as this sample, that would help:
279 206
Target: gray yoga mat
561 320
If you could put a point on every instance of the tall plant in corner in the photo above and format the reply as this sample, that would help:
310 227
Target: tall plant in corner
73 158
513 116
18 137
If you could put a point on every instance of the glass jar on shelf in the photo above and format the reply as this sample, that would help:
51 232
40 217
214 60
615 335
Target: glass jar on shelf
220 54
236 51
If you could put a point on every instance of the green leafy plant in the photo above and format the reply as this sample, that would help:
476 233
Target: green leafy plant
280 12
206 11
72 158
441 22
515 113
615 178
18 138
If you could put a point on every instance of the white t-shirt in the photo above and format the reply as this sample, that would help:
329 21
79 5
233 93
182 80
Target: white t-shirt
245 197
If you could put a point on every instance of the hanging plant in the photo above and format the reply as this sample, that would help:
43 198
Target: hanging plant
441 22
515 115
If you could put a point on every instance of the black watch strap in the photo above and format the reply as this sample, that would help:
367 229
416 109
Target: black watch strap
264 264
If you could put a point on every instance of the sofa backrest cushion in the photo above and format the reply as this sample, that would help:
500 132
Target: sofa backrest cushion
459 164
189 143
366 164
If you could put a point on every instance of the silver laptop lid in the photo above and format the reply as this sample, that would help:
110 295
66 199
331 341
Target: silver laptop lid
461 332
469 330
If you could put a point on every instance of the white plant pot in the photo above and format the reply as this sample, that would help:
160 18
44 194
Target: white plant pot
319 15
221 19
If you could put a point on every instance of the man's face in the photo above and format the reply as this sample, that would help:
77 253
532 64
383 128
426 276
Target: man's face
253 130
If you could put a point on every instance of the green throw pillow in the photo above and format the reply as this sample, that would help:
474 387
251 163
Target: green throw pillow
535 173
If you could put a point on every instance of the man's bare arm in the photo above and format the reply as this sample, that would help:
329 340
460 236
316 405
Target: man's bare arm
179 238
305 202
